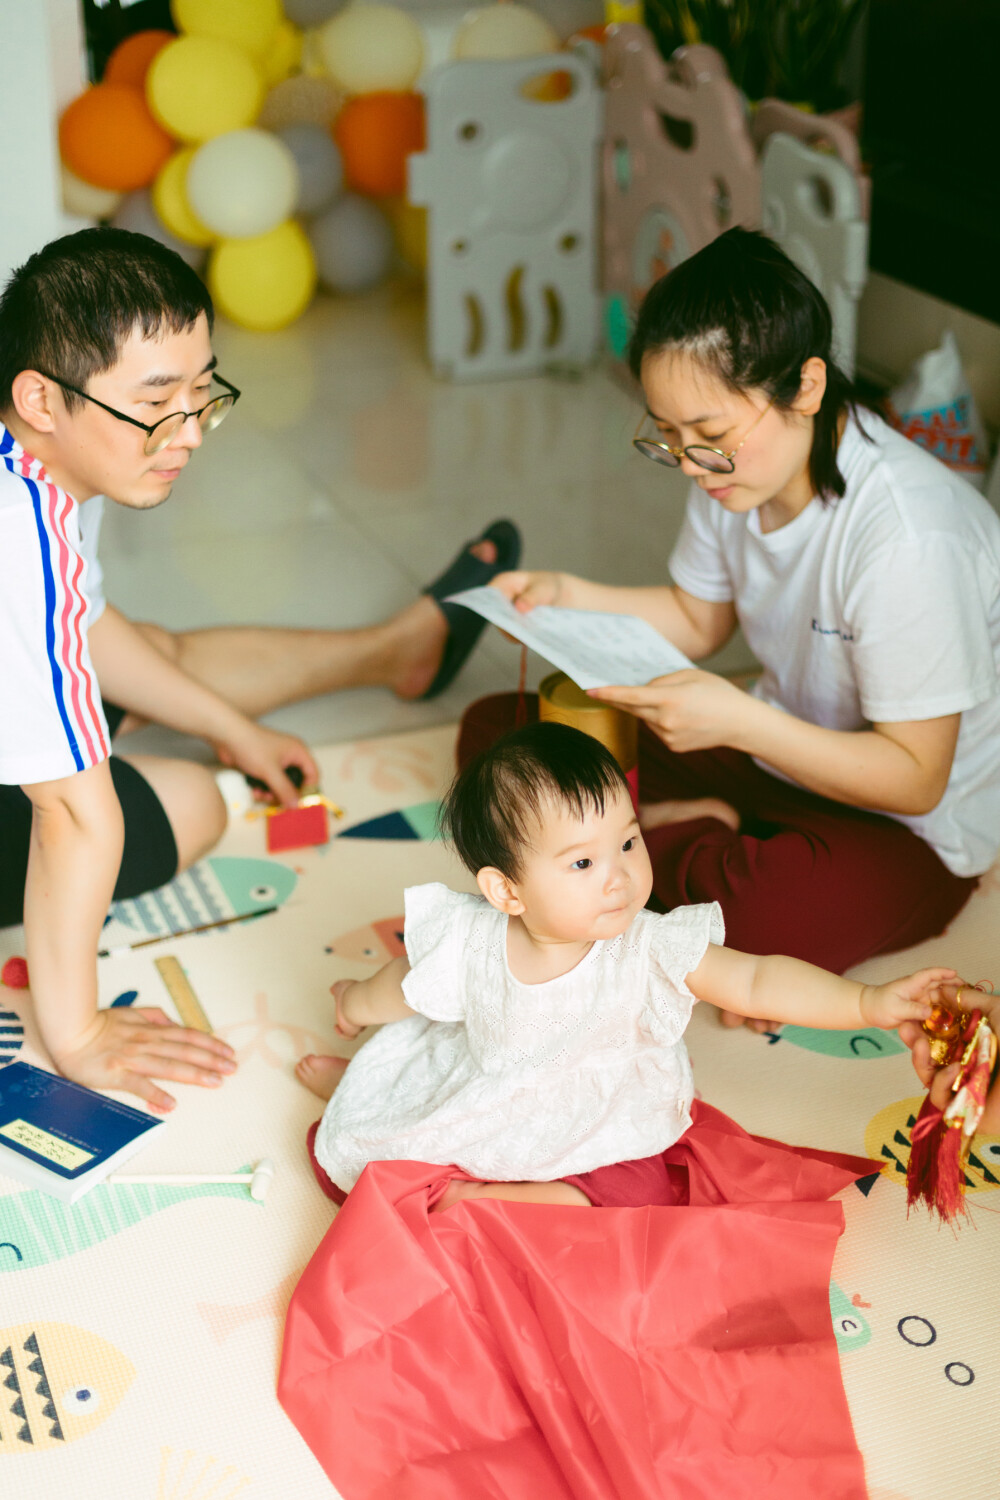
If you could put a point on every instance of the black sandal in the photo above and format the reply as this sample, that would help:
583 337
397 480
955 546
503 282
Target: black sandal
469 572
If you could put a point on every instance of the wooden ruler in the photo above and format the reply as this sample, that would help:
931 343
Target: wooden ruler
180 991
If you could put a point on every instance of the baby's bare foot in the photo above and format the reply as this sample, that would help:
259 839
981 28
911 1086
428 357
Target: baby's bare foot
320 1074
657 814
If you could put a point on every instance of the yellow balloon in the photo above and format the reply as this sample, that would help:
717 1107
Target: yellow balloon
199 87
249 24
284 54
171 202
410 224
266 282
501 31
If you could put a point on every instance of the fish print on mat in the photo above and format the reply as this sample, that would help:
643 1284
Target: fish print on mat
11 1036
57 1383
375 943
851 1329
421 821
226 1318
887 1139
197 1476
210 891
856 1044
36 1229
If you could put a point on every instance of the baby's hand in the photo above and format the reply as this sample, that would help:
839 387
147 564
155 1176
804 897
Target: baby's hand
344 1026
909 999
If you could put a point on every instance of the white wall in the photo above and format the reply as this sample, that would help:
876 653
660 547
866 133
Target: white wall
41 43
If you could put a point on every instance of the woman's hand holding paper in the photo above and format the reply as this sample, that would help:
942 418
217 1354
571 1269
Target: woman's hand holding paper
689 710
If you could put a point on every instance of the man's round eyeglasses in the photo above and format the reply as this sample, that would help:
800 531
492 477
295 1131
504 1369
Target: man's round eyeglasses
712 459
166 429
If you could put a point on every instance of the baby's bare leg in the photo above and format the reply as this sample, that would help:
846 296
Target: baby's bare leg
561 1193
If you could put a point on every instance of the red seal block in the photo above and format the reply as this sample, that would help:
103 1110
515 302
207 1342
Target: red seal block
14 974
298 827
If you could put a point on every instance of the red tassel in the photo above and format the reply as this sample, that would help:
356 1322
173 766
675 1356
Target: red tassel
940 1140
949 1194
921 1169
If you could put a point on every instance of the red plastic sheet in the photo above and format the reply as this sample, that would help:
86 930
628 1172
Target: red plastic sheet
505 1351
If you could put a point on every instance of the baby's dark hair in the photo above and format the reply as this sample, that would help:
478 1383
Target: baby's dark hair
743 309
497 801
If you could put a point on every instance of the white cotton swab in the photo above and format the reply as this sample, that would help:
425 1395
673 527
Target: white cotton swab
259 1180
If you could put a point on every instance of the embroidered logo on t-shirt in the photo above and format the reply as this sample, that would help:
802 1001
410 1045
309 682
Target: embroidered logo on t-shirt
845 635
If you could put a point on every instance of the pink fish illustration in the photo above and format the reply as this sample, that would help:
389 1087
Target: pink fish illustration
375 943
224 1319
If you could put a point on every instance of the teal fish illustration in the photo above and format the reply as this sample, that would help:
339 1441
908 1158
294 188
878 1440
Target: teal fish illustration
210 891
421 821
36 1229
851 1329
12 1035
857 1044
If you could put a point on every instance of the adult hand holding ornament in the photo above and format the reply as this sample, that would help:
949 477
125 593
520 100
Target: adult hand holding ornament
954 1053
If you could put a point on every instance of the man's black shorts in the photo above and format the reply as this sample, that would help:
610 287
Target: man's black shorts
149 858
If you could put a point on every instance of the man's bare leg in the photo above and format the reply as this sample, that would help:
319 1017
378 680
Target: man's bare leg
259 668
191 800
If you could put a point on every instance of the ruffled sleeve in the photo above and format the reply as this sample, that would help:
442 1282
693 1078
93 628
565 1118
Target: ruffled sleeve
677 944
435 925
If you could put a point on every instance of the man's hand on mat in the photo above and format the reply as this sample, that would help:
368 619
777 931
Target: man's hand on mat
126 1048
267 754
939 1080
907 999
688 710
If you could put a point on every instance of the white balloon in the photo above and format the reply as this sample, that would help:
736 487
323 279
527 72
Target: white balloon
321 172
243 183
85 199
500 31
353 244
368 48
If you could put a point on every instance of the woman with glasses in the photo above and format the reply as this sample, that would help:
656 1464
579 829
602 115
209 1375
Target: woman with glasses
846 805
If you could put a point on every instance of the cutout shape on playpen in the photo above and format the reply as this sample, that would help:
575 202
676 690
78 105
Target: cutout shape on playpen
511 190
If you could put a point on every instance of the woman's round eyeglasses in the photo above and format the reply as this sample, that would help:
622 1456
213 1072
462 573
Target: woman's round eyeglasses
712 459
163 432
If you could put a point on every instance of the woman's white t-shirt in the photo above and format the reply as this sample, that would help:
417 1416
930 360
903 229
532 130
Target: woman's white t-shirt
880 607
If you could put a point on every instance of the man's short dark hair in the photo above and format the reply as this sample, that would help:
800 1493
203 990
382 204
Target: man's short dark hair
73 305
496 803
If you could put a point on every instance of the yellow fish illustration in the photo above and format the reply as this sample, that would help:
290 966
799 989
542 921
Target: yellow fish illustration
57 1383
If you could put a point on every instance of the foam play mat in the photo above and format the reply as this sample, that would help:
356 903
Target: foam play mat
140 1330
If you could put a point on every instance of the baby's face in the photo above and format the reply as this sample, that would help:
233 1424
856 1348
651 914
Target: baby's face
585 878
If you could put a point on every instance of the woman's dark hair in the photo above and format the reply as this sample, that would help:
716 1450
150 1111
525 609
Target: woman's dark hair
71 307
747 312
497 801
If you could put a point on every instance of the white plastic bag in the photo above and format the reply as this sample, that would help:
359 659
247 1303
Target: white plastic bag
934 407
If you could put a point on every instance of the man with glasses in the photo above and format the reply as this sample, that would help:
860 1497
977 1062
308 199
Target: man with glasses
107 387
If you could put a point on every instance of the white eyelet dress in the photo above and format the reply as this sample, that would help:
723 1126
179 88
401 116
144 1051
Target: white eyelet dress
523 1082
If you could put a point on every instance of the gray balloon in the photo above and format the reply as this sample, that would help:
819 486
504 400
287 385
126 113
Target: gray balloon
353 244
311 12
321 172
136 212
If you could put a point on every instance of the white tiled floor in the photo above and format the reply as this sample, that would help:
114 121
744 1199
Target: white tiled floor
348 476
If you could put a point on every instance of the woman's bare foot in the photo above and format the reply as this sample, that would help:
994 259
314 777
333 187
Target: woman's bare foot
562 1194
320 1074
419 634
657 814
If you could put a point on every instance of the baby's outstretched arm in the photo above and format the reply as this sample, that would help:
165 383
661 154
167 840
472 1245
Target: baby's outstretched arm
787 989
374 1001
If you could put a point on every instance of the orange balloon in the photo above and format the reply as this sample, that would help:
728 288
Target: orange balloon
129 62
375 134
109 138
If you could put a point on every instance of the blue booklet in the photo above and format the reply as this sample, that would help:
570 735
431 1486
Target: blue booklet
61 1137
